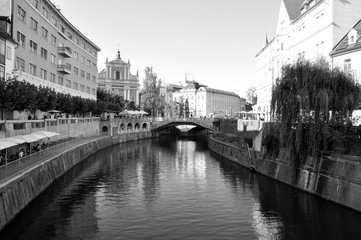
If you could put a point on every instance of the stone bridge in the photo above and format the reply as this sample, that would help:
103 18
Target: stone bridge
200 123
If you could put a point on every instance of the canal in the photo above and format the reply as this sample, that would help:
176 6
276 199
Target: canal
171 188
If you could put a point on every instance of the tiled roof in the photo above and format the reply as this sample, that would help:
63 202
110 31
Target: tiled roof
343 46
293 8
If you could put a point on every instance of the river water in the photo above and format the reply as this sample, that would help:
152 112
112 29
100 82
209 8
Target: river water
171 188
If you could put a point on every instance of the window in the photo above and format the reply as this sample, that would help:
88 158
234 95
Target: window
83 45
52 77
32 69
62 28
88 76
82 59
93 91
117 75
35 3
347 65
44 33
33 47
8 52
34 24
82 74
44 53
88 62
43 73
53 40
21 39
81 87
20 64
75 86
76 55
21 14
94 65
70 35
76 71
93 79
52 58
45 12
61 81
2 72
88 89
77 41
54 21
67 83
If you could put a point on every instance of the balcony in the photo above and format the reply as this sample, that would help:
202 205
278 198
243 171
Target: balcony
63 68
65 51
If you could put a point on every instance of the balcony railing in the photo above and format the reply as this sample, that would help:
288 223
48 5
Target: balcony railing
63 68
65 51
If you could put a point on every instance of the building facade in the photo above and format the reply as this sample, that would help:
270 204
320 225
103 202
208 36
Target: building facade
209 102
346 55
7 49
116 77
52 52
306 29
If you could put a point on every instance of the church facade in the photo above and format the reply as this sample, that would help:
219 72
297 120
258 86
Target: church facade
116 78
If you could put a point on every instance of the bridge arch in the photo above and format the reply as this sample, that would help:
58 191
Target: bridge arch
144 126
129 127
137 126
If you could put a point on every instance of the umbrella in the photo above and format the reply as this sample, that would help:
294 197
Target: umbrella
44 134
54 111
28 138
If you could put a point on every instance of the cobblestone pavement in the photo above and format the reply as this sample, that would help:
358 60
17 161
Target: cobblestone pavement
18 166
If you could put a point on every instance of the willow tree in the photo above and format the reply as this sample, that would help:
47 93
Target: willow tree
308 101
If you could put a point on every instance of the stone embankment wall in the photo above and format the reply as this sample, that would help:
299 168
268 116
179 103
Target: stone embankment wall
18 192
337 178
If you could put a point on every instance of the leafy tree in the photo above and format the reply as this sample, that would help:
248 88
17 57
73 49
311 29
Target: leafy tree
186 108
152 102
307 100
251 96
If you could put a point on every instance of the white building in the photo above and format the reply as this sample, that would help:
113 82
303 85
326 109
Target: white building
7 49
346 55
116 77
209 102
307 29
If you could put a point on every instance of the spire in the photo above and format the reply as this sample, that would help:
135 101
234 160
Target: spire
137 73
106 61
128 62
266 36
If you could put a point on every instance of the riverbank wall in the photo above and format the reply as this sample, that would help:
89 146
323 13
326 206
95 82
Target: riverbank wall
16 193
336 178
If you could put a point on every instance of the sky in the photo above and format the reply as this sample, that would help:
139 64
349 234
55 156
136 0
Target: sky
214 42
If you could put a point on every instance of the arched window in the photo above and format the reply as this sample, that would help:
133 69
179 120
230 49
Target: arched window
117 75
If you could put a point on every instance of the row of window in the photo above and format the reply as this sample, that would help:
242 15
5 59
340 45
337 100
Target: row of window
33 48
22 16
20 64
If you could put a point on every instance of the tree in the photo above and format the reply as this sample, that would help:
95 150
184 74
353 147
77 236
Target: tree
251 96
307 101
186 108
152 102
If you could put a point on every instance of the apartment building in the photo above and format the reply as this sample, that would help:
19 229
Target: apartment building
209 102
51 51
306 29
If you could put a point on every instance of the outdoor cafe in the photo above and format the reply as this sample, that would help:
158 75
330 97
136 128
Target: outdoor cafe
16 147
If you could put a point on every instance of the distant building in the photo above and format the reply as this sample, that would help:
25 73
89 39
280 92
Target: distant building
209 102
116 77
306 29
347 53
51 51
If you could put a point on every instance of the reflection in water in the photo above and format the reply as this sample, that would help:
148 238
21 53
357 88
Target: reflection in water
174 189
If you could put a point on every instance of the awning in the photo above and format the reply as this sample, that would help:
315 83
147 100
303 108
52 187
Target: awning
44 134
28 138
6 144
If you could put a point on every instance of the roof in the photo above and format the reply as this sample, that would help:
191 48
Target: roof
342 46
293 8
